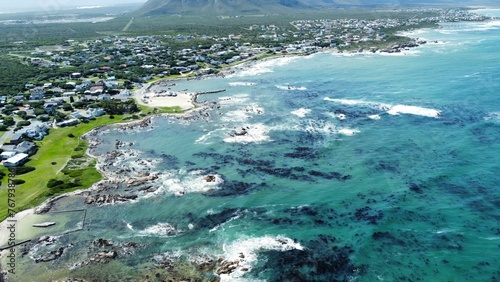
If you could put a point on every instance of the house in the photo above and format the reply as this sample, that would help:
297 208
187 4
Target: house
69 94
7 155
26 147
50 108
104 97
16 160
36 96
37 132
95 112
9 148
68 122
18 98
16 138
75 75
77 114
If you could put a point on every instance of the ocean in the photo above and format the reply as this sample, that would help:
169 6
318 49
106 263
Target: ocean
328 167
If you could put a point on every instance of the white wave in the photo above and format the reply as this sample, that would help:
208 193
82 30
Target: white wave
221 225
244 252
301 112
240 83
262 67
493 116
194 181
348 131
413 110
204 139
374 117
236 116
160 230
255 133
288 87
129 226
341 116
320 127
390 109
239 99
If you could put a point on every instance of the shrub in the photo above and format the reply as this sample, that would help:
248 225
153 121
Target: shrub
17 181
54 182
23 123
24 169
71 135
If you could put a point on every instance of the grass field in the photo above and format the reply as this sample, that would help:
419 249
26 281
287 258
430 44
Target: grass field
54 152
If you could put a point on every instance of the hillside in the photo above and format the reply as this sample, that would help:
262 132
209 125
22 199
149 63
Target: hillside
227 7
211 7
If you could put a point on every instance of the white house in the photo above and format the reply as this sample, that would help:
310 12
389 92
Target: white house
16 160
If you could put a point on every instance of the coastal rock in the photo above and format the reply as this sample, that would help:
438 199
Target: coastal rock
227 267
141 181
210 178
103 257
52 255
108 199
102 243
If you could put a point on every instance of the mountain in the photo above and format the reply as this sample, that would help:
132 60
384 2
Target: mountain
205 7
221 7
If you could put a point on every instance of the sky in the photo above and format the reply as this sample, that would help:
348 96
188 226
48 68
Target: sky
9 6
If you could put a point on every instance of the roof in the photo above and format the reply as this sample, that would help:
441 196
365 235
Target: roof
16 159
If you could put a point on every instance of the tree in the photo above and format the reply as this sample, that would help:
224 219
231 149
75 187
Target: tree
8 121
22 114
67 107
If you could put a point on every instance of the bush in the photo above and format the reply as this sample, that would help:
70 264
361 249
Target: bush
8 121
24 169
17 181
54 182
71 135
23 123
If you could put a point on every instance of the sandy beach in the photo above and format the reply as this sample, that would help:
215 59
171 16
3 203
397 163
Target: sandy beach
145 96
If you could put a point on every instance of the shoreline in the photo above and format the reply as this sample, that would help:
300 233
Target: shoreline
188 100
126 124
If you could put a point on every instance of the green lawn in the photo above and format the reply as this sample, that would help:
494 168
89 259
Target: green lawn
54 152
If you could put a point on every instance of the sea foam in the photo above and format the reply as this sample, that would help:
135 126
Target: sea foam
160 230
301 112
245 252
390 109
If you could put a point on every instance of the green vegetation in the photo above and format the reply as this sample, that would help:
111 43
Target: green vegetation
59 157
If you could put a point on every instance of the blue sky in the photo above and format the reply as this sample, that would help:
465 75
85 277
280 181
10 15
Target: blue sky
45 5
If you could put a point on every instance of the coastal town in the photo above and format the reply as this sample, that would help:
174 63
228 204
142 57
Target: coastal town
124 157
81 81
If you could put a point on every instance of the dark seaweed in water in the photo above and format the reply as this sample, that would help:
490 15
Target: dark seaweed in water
172 162
233 188
212 220
303 153
321 260
330 175
368 214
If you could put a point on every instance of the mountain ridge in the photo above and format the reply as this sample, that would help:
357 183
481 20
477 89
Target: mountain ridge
221 7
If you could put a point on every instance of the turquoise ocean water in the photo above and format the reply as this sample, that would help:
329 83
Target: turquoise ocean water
362 167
